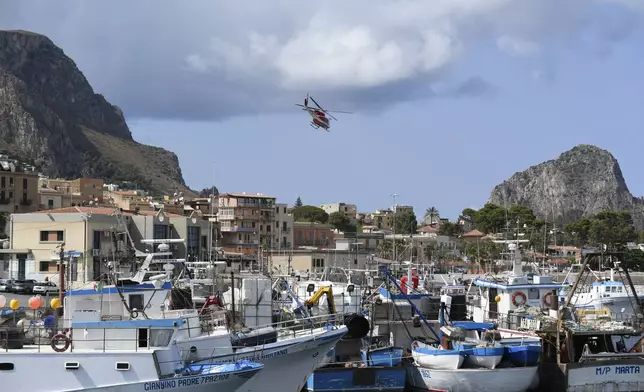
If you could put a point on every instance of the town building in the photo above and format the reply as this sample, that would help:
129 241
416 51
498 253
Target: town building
306 261
283 228
312 234
51 199
79 190
18 187
361 241
92 237
349 210
246 221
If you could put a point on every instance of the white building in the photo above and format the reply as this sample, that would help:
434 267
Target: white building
349 210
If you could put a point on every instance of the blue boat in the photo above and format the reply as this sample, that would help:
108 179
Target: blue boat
390 379
524 355
383 356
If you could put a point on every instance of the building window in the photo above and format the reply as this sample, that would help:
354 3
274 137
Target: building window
160 232
318 263
48 266
51 236
192 242
24 183
50 203
3 182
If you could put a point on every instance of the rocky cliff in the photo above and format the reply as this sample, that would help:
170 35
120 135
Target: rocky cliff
581 182
51 117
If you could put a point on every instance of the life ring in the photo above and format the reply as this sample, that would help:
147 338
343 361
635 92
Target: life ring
547 299
60 338
519 294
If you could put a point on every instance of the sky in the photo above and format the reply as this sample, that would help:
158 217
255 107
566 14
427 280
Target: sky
449 97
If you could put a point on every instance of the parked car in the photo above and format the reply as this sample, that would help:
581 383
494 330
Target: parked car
45 288
23 286
6 285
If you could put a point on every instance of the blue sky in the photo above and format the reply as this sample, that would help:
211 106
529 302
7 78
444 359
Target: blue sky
491 88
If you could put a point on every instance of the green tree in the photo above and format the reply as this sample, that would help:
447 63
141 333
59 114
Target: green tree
298 202
406 223
339 221
490 218
579 231
613 228
451 229
310 214
522 214
430 214
640 237
470 214
634 260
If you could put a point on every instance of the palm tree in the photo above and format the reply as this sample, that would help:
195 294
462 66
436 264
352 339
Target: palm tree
430 214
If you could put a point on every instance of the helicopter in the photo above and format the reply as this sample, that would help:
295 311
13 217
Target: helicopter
318 114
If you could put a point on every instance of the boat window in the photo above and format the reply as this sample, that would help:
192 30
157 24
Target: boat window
613 289
533 293
160 337
619 289
72 365
6 366
136 301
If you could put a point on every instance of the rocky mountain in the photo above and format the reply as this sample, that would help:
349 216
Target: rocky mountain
581 182
51 117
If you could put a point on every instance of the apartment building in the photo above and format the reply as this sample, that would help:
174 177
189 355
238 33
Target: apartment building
283 228
246 222
35 240
305 261
93 237
382 219
310 234
80 190
18 187
349 210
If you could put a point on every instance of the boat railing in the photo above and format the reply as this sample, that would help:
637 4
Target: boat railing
43 339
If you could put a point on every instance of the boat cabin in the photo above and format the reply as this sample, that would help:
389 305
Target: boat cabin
497 300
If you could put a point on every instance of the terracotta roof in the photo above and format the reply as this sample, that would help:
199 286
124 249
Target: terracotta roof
81 210
247 195
428 229
473 233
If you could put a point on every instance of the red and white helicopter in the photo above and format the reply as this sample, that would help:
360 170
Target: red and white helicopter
319 115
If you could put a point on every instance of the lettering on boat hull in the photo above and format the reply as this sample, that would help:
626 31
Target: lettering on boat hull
183 382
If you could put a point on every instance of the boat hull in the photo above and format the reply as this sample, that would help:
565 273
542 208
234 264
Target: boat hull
470 380
484 361
288 369
296 358
207 383
389 379
620 376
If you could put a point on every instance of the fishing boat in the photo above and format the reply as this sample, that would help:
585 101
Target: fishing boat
436 357
439 366
349 368
134 355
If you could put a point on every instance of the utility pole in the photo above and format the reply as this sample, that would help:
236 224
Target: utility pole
394 195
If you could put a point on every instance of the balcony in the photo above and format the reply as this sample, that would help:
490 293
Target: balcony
239 229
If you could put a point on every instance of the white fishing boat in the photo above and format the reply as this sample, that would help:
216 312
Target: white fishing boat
124 356
436 357
514 379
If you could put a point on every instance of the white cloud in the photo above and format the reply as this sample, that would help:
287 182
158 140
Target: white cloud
517 46
216 56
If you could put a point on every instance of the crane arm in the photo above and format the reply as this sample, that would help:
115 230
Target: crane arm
318 294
